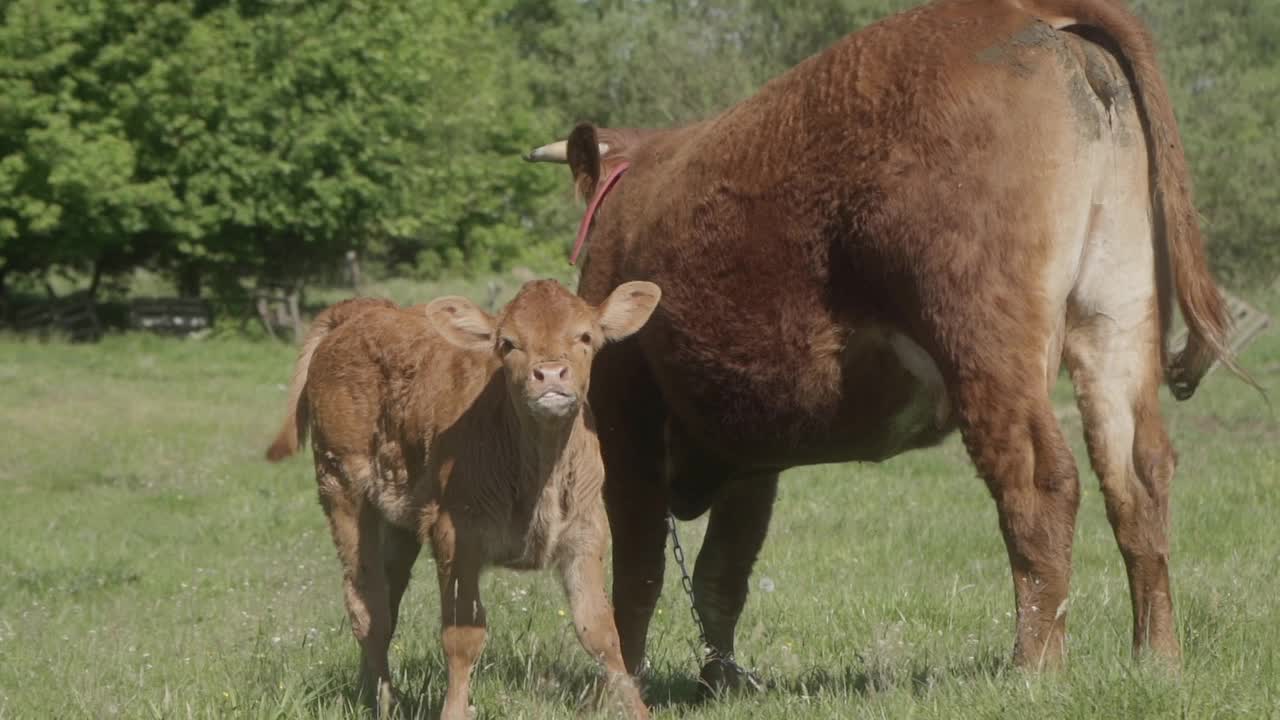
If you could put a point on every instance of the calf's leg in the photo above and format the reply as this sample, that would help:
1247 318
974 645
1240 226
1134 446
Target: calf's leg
582 574
462 615
736 531
355 525
400 548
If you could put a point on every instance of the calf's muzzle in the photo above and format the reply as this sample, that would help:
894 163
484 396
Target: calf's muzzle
550 389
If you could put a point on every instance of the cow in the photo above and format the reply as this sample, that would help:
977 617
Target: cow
441 424
903 236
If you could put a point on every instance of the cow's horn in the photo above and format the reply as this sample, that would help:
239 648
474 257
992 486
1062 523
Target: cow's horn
556 152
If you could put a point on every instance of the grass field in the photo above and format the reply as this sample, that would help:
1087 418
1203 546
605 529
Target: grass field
152 565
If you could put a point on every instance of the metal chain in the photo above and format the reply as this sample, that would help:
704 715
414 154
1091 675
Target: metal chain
727 662
678 552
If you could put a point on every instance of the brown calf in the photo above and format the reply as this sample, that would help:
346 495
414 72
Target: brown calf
442 424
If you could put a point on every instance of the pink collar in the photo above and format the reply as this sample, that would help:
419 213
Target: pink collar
603 190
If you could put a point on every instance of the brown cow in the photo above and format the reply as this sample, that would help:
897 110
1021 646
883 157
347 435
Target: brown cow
441 424
903 236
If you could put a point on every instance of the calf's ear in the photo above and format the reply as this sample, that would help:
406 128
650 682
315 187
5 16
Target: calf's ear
628 308
461 323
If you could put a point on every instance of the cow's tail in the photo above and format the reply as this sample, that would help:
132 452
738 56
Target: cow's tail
1177 226
294 429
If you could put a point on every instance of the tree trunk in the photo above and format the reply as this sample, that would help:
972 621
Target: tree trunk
4 294
353 269
495 289
95 281
264 314
189 280
295 312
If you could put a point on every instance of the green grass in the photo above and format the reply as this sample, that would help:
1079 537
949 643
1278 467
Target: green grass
151 565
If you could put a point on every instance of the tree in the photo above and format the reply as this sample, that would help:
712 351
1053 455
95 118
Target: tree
262 140
71 193
1223 63
319 127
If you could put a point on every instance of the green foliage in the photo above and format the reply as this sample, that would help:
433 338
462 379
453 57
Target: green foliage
1223 61
261 139
71 185
245 139
663 63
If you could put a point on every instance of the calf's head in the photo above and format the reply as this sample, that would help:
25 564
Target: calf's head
546 338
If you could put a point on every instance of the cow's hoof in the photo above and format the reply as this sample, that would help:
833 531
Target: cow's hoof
722 676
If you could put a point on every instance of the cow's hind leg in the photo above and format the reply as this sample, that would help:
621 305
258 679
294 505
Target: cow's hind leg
1114 359
1018 447
356 527
736 531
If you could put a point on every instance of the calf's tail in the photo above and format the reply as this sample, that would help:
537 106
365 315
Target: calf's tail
294 429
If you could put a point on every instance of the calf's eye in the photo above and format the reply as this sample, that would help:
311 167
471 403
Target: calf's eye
586 338
505 346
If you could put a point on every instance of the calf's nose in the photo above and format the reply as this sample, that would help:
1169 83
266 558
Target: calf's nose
543 372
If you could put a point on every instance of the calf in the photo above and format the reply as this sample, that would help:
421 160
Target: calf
441 424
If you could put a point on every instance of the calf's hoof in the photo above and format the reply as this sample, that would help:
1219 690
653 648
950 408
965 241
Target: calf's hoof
467 712
615 695
722 676
379 696
388 706
1166 658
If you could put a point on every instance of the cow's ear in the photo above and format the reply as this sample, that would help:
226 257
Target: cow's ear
628 308
462 323
583 152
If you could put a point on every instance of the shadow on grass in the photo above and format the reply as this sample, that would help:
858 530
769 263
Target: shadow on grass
872 677
424 680
341 686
